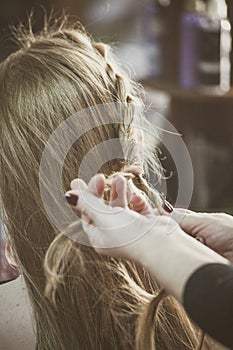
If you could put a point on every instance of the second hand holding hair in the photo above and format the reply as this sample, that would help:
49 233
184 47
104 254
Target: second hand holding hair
170 255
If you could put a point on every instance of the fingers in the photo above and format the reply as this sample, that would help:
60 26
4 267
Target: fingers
188 220
118 197
139 204
96 185
88 204
78 184
184 217
118 193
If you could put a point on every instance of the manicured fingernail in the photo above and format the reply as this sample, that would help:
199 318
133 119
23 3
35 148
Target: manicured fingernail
167 206
72 199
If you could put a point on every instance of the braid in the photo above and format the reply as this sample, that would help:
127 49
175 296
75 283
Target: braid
124 91
121 87
132 172
122 94
120 81
134 176
70 267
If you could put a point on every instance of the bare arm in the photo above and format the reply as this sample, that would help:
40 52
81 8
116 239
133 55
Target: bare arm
155 241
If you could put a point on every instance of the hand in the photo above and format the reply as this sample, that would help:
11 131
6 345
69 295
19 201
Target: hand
155 241
114 229
214 230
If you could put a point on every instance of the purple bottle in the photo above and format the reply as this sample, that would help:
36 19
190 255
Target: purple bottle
189 44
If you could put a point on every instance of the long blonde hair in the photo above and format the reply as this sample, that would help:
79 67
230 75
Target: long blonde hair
93 302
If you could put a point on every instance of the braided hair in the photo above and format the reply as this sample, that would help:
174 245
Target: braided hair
91 302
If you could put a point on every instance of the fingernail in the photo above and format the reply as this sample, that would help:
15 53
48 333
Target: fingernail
167 206
72 199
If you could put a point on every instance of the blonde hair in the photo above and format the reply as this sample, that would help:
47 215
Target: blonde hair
92 302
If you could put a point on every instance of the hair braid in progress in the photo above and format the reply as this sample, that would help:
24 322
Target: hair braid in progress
145 338
91 301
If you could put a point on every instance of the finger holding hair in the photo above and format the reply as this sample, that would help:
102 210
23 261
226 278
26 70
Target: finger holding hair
118 197
78 184
88 204
97 184
188 220
139 204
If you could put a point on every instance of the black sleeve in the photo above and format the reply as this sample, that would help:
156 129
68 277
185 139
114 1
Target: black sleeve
208 299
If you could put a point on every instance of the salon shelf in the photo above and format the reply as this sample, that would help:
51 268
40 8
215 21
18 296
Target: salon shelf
205 121
179 93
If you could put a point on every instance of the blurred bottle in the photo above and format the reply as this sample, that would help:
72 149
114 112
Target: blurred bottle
189 43
215 47
154 35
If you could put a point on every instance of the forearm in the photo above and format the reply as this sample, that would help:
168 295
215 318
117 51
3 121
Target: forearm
172 258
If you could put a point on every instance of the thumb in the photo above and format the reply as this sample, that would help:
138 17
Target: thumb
88 204
188 220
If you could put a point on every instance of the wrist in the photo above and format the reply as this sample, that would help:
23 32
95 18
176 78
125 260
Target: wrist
173 257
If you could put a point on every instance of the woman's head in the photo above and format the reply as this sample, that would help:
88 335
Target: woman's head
53 75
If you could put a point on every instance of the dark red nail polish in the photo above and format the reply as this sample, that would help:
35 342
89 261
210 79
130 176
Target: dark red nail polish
72 199
167 206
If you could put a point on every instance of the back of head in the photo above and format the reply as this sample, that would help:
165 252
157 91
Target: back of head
98 300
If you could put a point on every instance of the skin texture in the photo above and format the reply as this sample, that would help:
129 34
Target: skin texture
55 74
13 296
215 230
163 237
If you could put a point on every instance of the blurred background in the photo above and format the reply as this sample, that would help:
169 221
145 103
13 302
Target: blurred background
180 50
